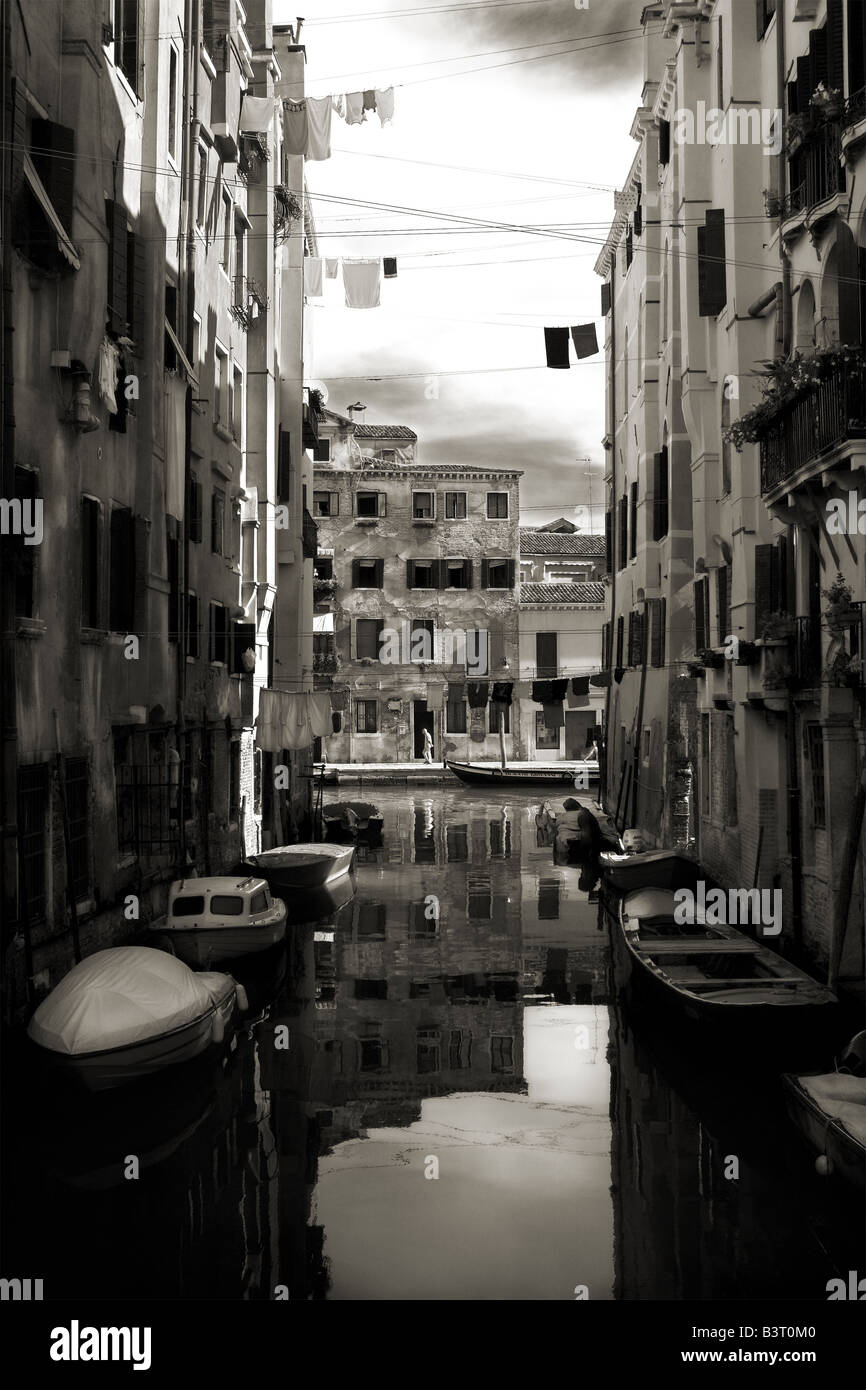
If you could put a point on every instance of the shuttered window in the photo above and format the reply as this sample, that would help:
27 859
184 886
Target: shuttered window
122 571
546 655
635 638
368 573
366 716
712 281
284 466
194 509
219 633
608 542
89 562
126 41
605 646
497 574
660 494
457 574
368 632
723 604
52 149
657 617
702 618
620 630
623 532
767 596
664 142
77 813
118 253
605 299
632 507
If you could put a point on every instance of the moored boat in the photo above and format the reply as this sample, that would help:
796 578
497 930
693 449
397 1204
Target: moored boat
301 866
712 973
126 1012
352 819
829 1110
542 775
220 918
654 868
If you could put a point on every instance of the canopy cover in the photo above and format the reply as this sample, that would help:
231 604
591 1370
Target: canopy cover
121 996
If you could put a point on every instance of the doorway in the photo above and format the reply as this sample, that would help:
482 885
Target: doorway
422 718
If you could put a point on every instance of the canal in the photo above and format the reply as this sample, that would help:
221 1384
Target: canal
436 1094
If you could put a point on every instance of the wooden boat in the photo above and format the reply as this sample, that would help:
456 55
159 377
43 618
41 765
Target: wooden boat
310 905
301 866
542 775
129 1011
607 836
712 973
829 1110
220 918
654 868
352 819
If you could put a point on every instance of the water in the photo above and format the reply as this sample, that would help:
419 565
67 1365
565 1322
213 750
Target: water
464 1111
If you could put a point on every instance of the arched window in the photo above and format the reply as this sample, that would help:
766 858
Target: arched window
805 339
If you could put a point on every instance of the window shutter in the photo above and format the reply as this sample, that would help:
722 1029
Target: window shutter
138 272
484 576
791 89
803 90
608 542
356 573
140 550
605 645
766 585
410 574
638 220
18 129
439 574
848 277
630 644
53 152
701 640
605 299
856 44
660 494
510 576
467 573
664 142
382 507
194 505
629 249
784 575
657 650
380 573
623 533
632 499
117 265
817 57
722 598
284 465
619 637
712 283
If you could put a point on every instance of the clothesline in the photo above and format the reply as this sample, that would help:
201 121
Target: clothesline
362 277
307 123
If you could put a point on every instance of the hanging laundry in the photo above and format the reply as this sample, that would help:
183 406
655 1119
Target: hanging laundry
298 731
573 701
618 673
109 357
332 265
370 100
355 108
544 692
338 104
295 127
257 114
339 699
313 277
320 713
585 340
556 347
390 266
477 725
502 691
601 678
435 697
385 104
318 128
523 690
476 694
553 715
580 685
362 282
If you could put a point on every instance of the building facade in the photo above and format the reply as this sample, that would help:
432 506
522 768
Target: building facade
736 726
142 425
416 576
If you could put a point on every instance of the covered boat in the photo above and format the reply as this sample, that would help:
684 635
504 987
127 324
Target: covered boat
301 866
654 868
712 972
829 1110
549 774
352 818
129 1011
220 918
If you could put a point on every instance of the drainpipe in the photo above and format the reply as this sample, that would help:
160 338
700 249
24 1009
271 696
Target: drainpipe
783 323
604 787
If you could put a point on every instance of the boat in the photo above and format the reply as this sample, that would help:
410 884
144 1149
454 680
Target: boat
352 818
301 866
220 918
542 775
128 1011
829 1110
712 973
606 835
654 868
310 905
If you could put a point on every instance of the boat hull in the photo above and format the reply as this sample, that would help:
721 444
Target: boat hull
825 1134
200 948
312 867
518 776
103 1071
653 869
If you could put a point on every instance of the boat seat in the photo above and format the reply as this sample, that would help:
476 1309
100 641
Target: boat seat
684 946
760 982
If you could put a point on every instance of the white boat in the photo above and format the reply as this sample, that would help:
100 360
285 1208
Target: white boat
220 918
123 1013
829 1109
302 866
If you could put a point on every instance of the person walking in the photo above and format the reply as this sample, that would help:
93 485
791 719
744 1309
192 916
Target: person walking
428 746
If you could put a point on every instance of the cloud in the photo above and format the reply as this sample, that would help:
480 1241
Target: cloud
532 24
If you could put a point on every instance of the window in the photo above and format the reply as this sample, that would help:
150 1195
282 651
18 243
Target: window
632 506
25 555
169 350
217 521
192 906
422 574
664 142
226 905
623 533
322 451
501 1053
326 504
367 574
323 567
218 633
712 281
723 603
455 506
458 574
460 1049
544 737
423 506
194 509
220 383
372 921
259 901
122 571
366 716
660 494
236 406
815 748
201 201
546 655
369 504
77 802
706 769
455 714
499 574
240 266
702 613
368 632
89 562
234 779
421 639
172 557
193 626
428 1050
548 899
372 1054
196 340
457 844
494 711
227 234
172 102
657 608
126 40
497 506
371 989
726 444
33 839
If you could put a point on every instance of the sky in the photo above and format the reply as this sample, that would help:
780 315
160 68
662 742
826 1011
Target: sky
510 112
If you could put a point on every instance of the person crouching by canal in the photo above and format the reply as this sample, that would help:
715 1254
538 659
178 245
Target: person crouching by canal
428 747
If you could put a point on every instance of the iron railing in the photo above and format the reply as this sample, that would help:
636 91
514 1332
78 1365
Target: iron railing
821 419
816 170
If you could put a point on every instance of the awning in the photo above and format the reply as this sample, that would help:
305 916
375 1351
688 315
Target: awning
175 342
64 245
323 622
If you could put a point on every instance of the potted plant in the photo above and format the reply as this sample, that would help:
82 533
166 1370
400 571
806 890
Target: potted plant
748 654
828 101
841 612
696 670
773 202
713 661
778 627
797 129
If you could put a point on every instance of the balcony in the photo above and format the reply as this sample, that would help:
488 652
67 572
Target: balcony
816 172
313 410
249 301
324 663
805 430
309 537
324 590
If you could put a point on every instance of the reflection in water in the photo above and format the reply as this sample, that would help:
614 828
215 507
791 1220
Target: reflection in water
434 1095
